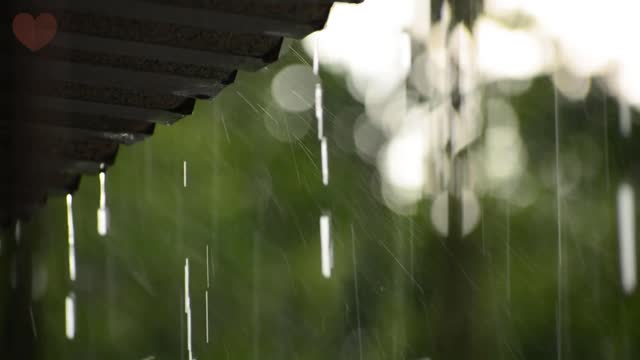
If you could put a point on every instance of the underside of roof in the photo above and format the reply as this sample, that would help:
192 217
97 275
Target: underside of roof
114 70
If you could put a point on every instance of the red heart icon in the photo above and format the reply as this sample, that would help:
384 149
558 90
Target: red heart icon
35 33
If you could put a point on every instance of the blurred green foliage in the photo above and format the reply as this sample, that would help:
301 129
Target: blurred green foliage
399 290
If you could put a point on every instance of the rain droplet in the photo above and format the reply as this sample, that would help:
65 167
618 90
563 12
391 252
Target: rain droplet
325 245
103 211
71 238
187 308
184 173
325 161
70 316
626 237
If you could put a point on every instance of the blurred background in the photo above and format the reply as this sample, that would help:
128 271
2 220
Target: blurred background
419 180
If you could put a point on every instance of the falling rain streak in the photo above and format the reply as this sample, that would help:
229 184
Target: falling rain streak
71 238
626 237
33 323
326 248
187 308
508 250
206 300
70 316
18 232
324 153
325 161
560 265
325 245
206 297
70 306
207 254
318 88
103 211
355 287
184 173
319 111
